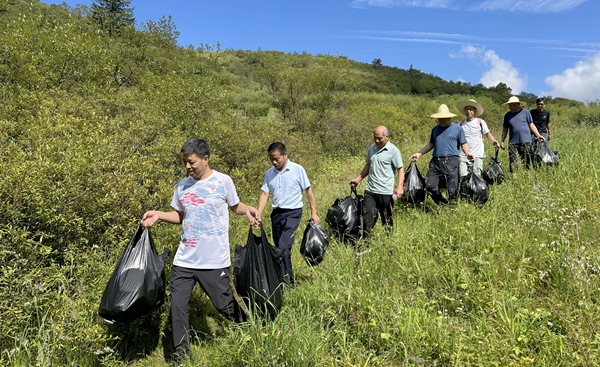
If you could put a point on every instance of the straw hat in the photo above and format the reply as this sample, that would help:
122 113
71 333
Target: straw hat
514 99
470 103
442 112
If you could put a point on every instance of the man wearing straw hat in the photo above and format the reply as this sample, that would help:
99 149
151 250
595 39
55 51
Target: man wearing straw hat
519 124
475 128
446 140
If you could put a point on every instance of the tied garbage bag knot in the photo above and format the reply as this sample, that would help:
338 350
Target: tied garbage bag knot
494 173
345 216
314 243
474 188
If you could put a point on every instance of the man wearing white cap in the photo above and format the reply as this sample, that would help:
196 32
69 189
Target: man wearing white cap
475 128
446 140
519 123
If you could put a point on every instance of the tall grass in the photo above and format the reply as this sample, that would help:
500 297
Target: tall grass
514 282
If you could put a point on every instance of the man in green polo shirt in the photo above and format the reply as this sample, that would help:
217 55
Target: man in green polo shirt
382 163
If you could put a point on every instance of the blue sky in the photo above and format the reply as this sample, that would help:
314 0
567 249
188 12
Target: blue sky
545 47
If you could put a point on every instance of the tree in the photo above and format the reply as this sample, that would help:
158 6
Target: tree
377 63
164 29
113 15
528 98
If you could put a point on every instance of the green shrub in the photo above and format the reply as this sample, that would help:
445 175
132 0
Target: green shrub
257 109
90 133
589 116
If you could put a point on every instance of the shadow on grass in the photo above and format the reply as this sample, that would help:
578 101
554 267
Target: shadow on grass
142 337
139 338
206 322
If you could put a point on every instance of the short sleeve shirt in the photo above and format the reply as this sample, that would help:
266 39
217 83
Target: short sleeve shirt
204 240
447 140
383 164
518 126
474 132
286 186
541 119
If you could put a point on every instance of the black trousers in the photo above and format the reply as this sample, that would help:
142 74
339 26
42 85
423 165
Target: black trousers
284 223
443 168
519 153
375 205
215 283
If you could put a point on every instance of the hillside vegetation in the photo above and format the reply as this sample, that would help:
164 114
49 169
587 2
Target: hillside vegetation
93 113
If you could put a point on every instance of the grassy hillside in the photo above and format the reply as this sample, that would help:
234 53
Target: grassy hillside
91 123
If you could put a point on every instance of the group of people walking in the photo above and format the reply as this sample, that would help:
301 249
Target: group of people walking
201 201
201 204
457 149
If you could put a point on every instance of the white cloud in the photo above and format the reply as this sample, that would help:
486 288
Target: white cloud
540 6
500 70
573 49
417 40
469 52
422 34
581 82
402 3
559 44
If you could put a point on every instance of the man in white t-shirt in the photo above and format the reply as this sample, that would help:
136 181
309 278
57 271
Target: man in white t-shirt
200 204
475 129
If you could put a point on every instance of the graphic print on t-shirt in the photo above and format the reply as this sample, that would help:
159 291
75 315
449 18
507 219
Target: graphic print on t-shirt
190 242
192 199
204 242
203 208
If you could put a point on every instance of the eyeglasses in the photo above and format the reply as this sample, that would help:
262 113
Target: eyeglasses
540 104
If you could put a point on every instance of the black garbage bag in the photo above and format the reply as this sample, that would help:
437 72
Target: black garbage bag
544 155
415 190
557 154
314 243
137 285
474 188
493 174
345 216
257 275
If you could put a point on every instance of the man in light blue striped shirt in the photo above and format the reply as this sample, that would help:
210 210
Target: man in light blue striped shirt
286 180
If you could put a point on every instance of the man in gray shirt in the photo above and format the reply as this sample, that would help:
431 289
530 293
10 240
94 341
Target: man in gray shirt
382 163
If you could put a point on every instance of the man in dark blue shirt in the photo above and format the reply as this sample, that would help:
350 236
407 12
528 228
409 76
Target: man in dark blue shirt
446 140
519 123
